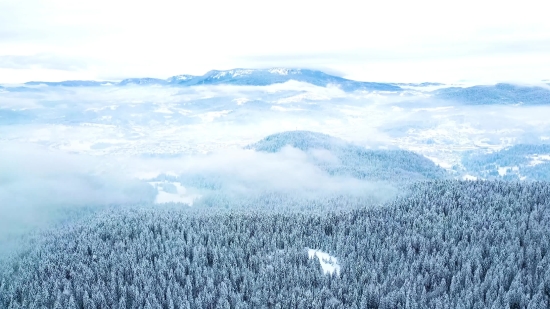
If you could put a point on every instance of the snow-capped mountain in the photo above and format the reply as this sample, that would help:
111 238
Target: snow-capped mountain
251 77
180 78
142 81
264 77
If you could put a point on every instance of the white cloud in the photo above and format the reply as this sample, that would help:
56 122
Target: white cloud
39 187
386 40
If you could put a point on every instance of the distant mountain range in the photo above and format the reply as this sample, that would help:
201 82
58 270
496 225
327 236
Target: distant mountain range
72 83
501 93
497 94
252 77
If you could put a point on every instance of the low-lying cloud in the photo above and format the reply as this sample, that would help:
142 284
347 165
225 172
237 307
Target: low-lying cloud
79 147
39 187
242 170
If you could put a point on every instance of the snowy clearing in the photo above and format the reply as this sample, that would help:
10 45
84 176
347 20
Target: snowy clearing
538 159
329 263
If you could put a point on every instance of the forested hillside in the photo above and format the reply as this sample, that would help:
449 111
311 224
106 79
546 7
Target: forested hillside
301 170
339 157
501 93
237 155
519 162
449 244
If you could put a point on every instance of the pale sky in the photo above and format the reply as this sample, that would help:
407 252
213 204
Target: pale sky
394 41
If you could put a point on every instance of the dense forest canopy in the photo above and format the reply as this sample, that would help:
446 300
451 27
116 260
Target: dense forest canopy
449 244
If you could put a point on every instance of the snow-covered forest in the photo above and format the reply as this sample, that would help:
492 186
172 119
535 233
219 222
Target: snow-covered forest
449 244
273 188
279 154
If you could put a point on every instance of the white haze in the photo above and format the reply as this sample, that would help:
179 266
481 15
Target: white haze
394 41
170 121
73 148
41 187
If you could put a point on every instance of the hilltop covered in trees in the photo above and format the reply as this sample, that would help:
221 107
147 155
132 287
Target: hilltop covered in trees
302 170
338 157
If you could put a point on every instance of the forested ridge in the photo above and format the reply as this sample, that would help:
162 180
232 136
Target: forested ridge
348 159
501 93
449 244
522 161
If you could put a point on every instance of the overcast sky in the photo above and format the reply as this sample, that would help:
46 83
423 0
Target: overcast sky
407 41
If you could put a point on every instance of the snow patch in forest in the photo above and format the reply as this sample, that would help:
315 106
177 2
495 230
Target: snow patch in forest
172 192
329 263
502 171
441 162
469 177
538 159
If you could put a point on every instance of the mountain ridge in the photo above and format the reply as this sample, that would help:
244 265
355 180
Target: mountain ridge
500 93
238 76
